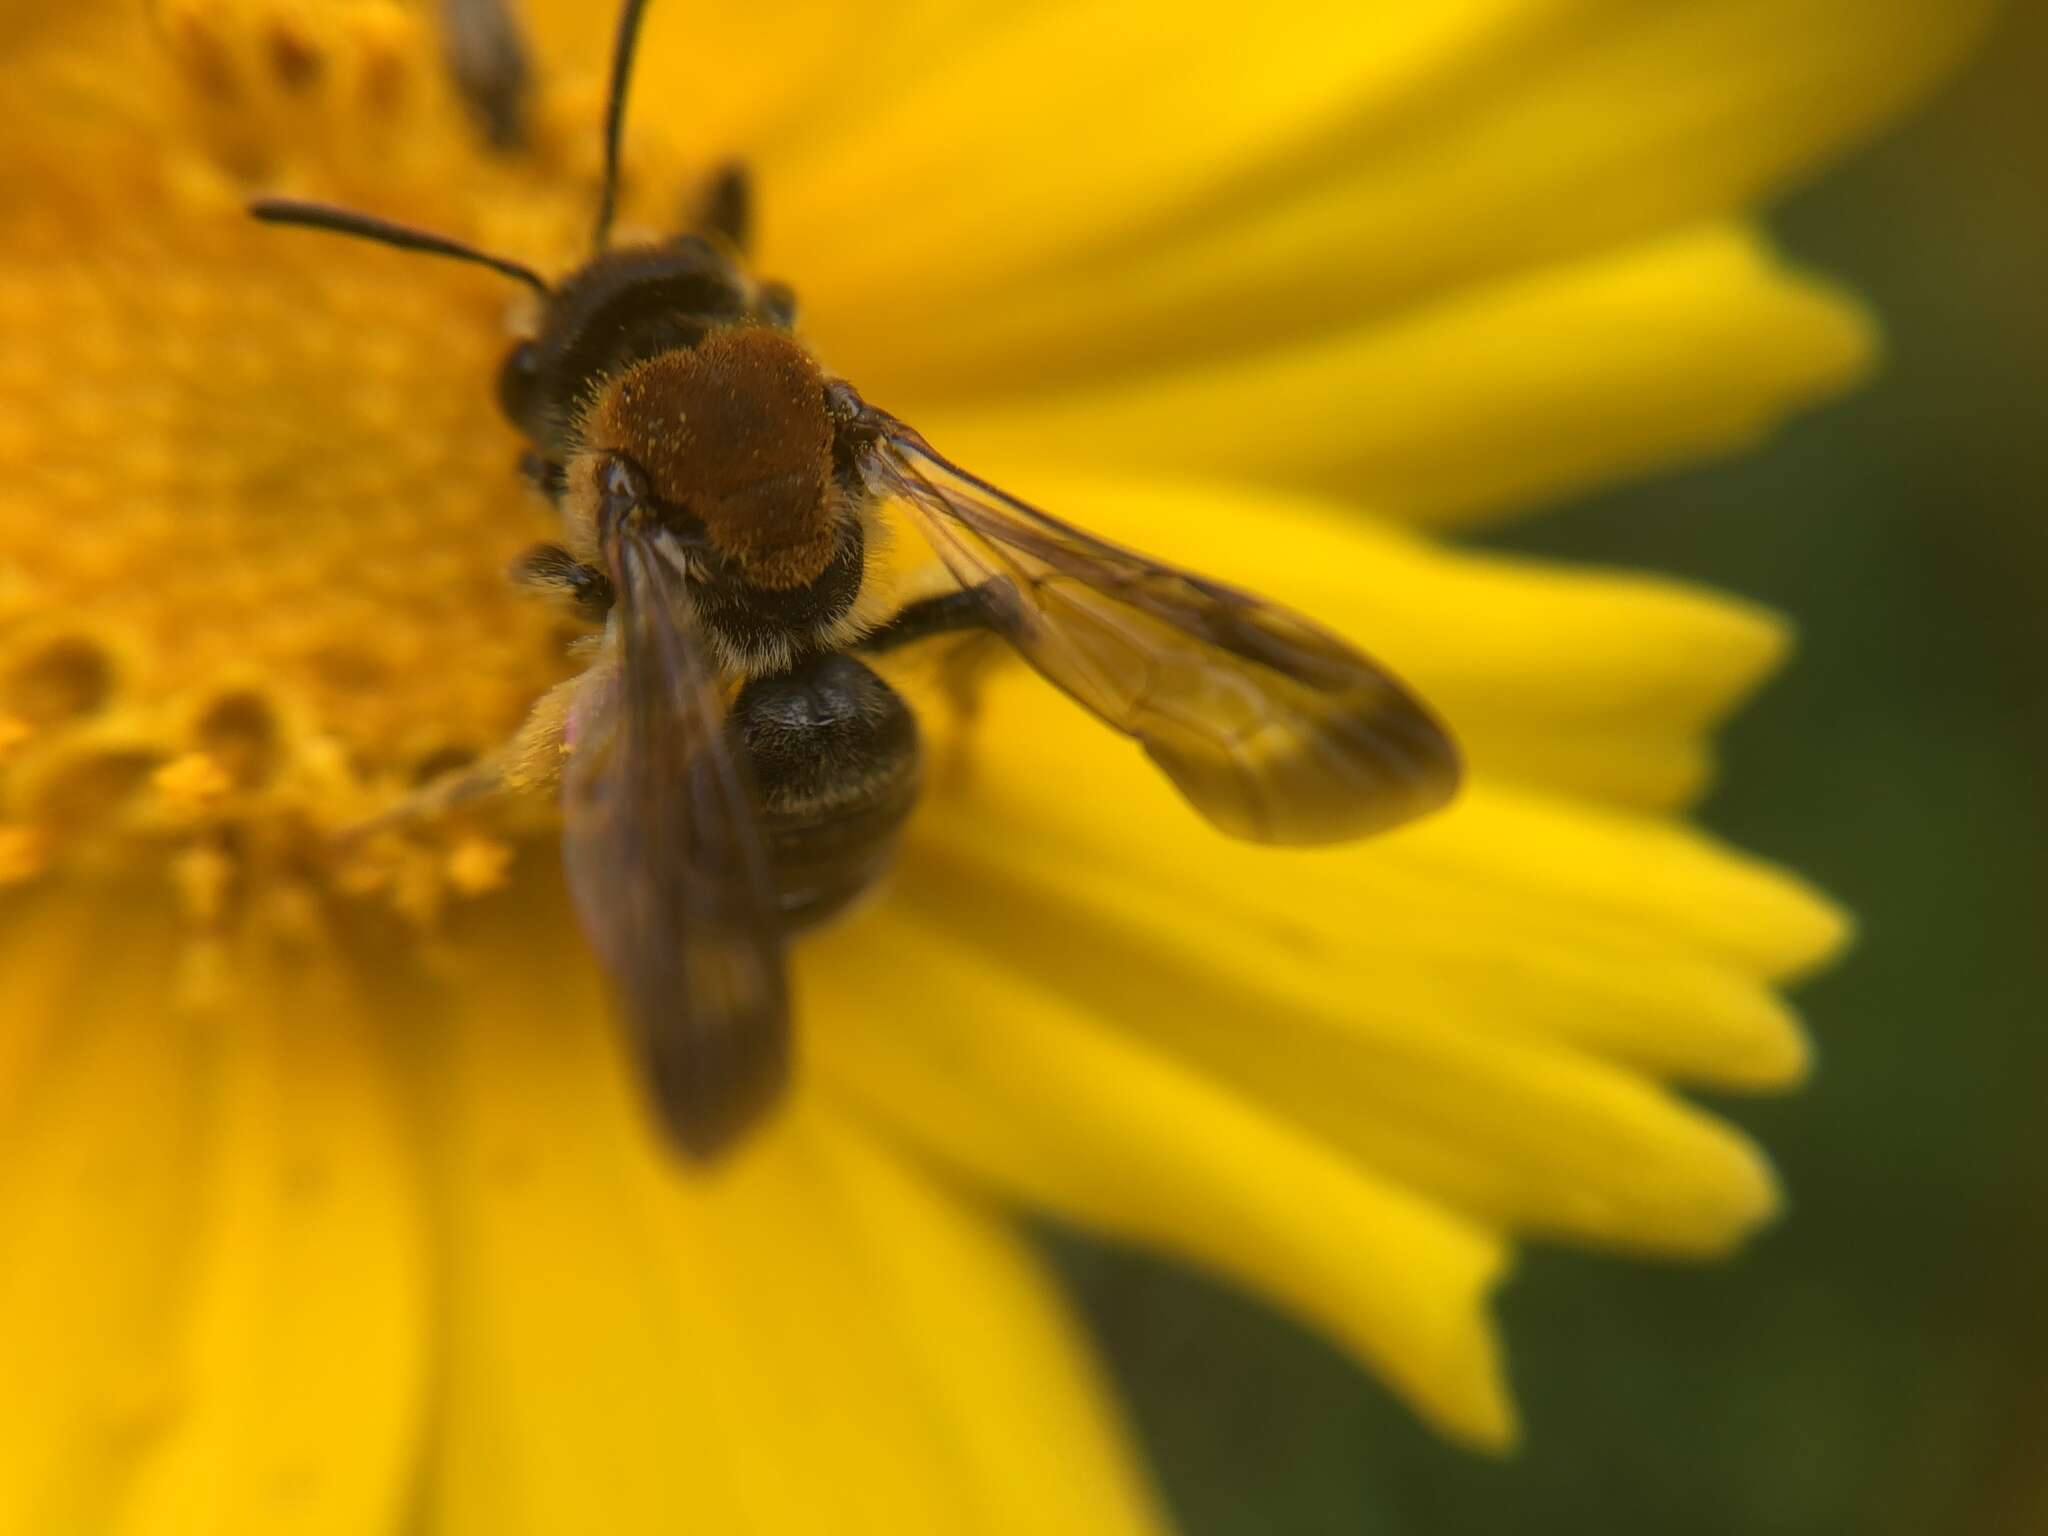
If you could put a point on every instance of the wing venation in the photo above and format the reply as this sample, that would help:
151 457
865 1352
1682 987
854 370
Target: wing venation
1274 729
668 867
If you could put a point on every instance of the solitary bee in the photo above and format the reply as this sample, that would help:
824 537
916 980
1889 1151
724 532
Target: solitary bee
735 772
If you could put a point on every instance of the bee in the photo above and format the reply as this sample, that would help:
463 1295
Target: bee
735 771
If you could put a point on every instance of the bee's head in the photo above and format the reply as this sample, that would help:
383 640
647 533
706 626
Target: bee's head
732 440
621 308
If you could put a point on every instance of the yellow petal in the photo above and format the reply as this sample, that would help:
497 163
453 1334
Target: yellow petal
1623 936
1505 857
1008 1081
1355 1045
213 1283
1437 1004
1594 683
971 1300
1657 878
305 1380
100 1169
632 1350
1103 118
1496 396
1123 181
740 80
47 946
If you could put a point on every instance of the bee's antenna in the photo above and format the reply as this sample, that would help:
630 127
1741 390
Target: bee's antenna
615 112
346 221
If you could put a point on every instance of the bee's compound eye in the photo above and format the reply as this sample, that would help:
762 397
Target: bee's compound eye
519 383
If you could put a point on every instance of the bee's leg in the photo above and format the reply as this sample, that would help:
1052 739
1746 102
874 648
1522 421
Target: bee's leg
532 760
962 612
527 766
551 569
725 207
545 475
776 304
948 613
486 54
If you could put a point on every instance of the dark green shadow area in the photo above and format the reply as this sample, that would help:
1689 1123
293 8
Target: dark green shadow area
1879 1362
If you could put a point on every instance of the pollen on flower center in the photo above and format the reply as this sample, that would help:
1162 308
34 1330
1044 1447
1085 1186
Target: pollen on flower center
253 555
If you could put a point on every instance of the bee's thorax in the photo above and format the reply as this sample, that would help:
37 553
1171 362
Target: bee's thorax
731 434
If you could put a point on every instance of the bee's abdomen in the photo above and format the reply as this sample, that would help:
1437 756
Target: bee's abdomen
835 760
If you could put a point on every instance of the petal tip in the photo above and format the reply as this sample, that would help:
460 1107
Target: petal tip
1742 1197
1832 335
1766 1051
1818 931
1847 339
1783 1059
1472 1402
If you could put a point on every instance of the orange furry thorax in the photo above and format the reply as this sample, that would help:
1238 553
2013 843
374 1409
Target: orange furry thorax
734 433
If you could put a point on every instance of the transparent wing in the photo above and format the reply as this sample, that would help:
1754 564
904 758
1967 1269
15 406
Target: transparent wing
667 865
1274 729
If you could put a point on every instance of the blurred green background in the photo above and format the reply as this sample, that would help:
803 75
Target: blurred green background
1878 1363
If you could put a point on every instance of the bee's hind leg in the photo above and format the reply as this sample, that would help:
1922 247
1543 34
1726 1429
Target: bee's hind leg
963 613
947 613
526 767
530 763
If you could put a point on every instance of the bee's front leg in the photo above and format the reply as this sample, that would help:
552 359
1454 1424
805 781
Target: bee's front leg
487 54
544 475
724 210
725 207
551 569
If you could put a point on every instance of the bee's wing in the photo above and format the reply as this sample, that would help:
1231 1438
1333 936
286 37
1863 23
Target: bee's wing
668 867
1273 728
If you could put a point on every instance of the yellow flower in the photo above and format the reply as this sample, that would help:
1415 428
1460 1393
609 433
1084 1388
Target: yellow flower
329 1204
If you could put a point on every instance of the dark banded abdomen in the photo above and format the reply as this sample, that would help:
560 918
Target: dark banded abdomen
835 760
